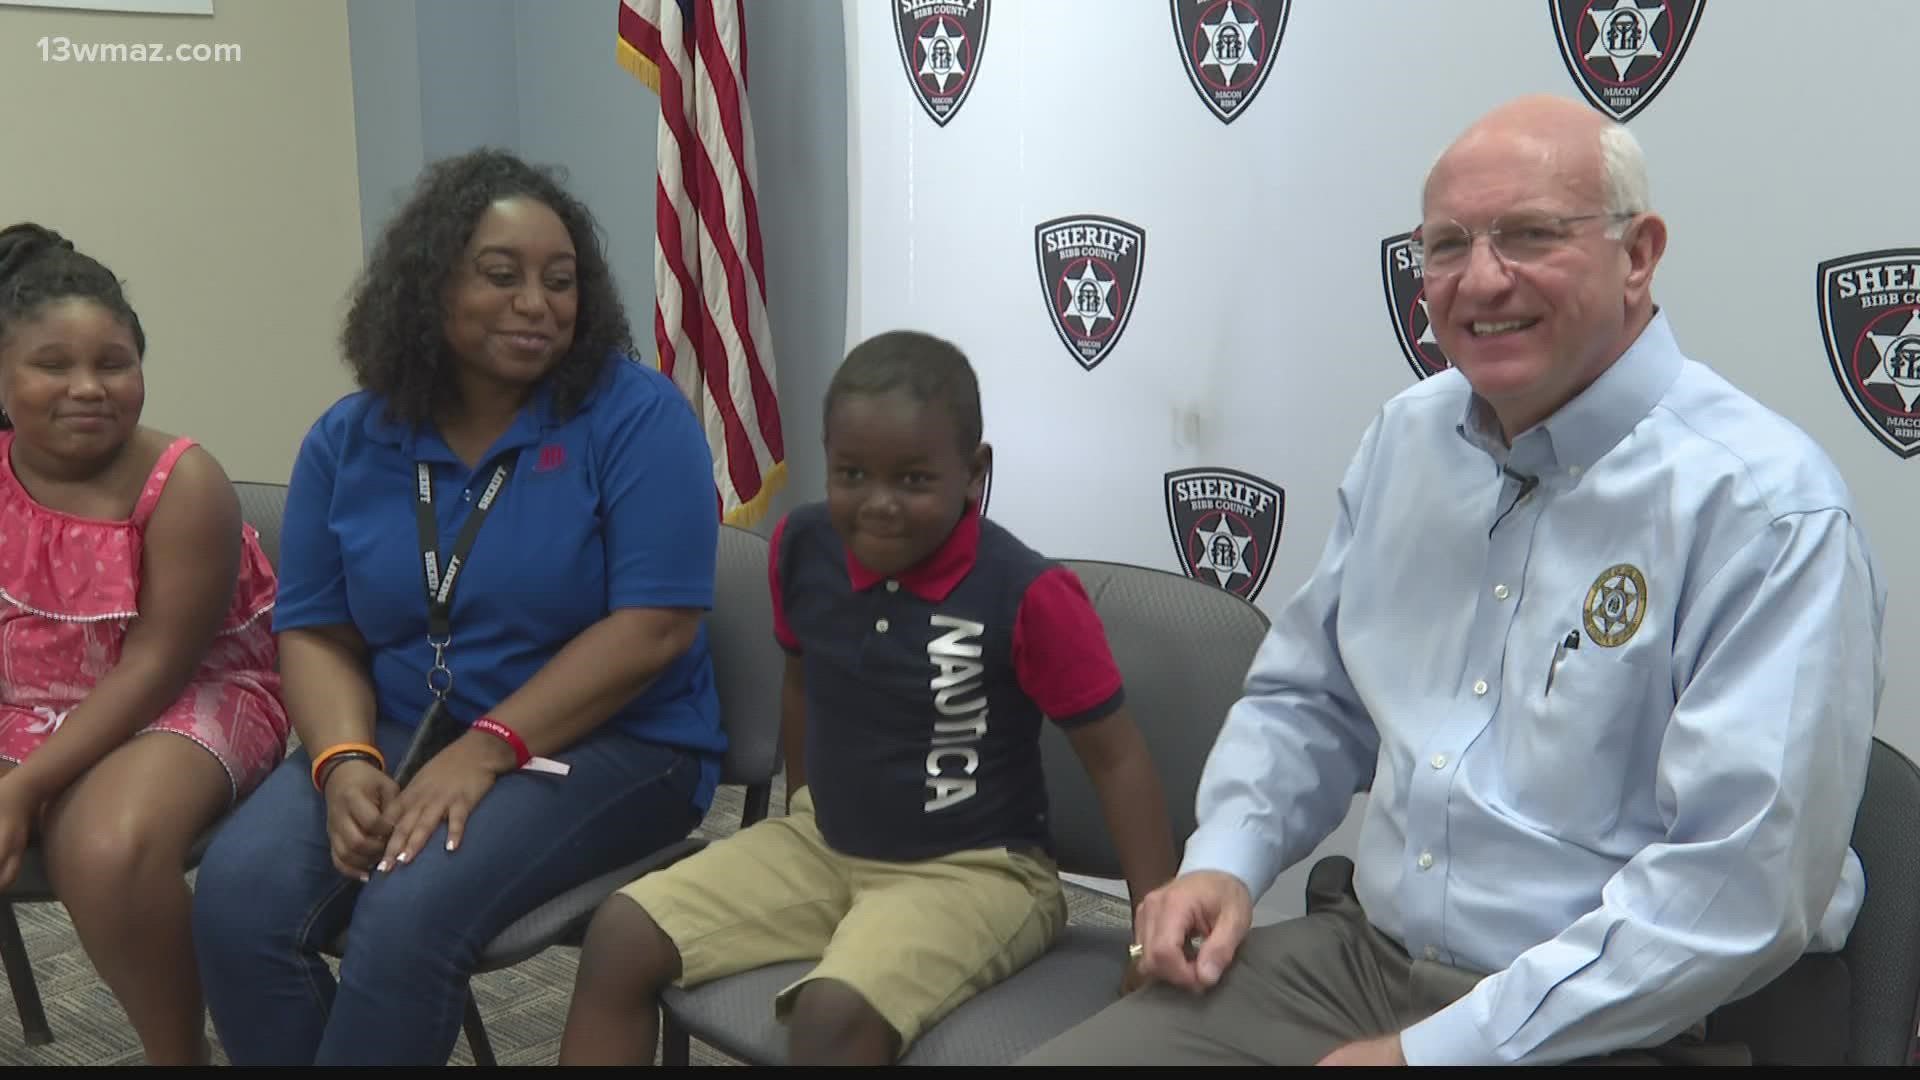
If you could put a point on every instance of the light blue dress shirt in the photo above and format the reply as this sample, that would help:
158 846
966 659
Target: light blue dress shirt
1615 731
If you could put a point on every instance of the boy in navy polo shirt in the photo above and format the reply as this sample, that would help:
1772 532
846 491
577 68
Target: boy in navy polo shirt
925 647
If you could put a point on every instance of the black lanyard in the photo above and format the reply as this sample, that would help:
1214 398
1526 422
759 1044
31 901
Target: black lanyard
440 580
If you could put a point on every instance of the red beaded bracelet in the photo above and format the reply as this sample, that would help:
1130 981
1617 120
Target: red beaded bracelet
521 755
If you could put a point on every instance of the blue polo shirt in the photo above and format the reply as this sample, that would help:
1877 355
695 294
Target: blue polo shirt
610 508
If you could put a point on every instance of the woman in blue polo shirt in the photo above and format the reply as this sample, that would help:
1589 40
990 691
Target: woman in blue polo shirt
507 535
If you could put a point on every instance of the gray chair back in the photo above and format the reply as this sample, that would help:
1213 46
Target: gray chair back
1883 952
261 506
748 664
1862 1006
1183 648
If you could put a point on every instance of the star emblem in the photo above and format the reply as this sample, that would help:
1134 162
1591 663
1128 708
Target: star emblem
1426 326
1087 297
1625 34
1230 44
940 54
1222 551
1899 361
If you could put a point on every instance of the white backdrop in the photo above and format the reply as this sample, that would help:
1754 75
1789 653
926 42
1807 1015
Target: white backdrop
1225 257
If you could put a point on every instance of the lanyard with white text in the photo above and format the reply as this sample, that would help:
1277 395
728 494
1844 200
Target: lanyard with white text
440 579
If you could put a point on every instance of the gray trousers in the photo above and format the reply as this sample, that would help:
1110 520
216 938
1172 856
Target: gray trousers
1298 990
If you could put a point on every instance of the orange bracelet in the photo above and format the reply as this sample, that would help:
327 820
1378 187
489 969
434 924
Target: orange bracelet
334 751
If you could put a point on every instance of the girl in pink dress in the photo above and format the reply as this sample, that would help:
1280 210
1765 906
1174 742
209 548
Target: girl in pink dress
133 602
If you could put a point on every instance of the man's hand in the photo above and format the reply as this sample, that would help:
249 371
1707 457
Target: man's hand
1209 904
1384 1050
1134 978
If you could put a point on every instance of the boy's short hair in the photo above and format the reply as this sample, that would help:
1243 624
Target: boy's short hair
928 368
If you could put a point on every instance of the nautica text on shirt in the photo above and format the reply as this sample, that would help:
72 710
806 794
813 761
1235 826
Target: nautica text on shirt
959 696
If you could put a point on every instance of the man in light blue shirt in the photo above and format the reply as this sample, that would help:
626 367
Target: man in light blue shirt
1600 636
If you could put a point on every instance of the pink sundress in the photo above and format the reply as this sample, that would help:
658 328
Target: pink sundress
69 588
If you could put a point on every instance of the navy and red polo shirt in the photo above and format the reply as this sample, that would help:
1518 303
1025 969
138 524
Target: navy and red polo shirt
925 692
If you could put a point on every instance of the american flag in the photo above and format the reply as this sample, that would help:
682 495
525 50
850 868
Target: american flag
709 273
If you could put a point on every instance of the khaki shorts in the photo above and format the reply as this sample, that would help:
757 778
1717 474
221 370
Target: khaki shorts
913 939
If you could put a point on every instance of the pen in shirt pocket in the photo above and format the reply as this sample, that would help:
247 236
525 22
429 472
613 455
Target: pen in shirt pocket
1571 641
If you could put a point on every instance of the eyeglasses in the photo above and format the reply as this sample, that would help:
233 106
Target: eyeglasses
1443 248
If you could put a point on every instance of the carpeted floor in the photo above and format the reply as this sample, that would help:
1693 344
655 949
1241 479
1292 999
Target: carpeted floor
523 1006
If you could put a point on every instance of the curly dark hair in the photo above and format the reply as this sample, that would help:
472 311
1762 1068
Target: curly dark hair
931 370
394 339
39 267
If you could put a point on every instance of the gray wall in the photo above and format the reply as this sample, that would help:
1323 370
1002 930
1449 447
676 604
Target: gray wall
436 77
797 86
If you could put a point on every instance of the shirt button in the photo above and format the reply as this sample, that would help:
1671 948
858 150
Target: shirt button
881 626
1439 761
893 586
1426 860
1479 687
1432 953
1499 592
1573 471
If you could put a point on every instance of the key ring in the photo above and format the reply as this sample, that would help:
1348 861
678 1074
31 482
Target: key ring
444 684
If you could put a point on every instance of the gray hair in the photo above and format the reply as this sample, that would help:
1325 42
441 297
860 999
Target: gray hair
1623 173
1624 167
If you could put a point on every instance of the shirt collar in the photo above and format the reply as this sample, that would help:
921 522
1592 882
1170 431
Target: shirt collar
422 442
934 577
1594 422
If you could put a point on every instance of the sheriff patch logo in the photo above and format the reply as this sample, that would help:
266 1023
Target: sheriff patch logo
1616 604
940 43
1870 322
1622 53
1090 267
1227 47
1226 526
1407 306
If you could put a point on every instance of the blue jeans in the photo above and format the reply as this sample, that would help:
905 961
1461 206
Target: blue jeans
267 898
